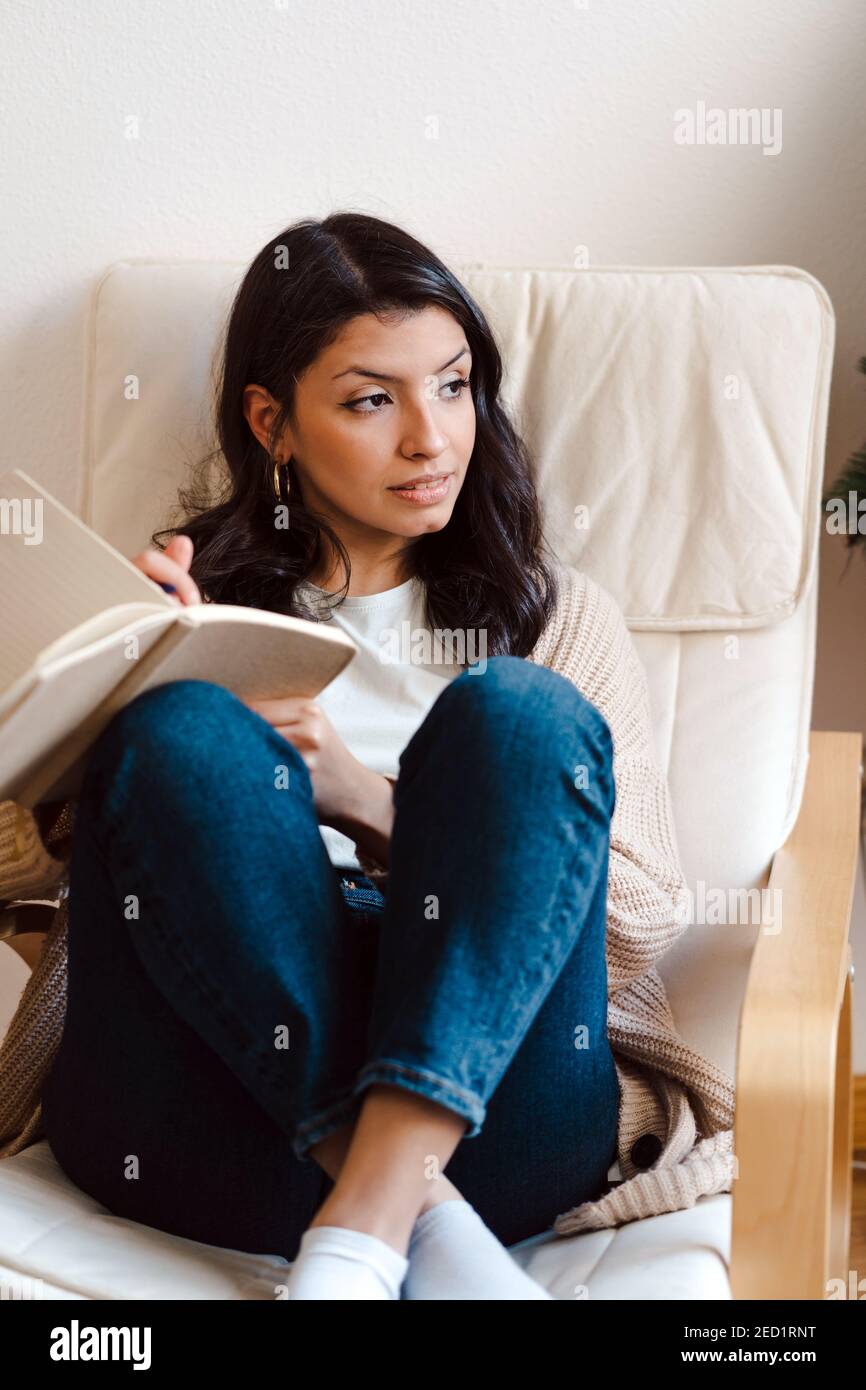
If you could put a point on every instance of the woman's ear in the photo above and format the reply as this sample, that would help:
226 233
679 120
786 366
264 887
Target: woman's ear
260 410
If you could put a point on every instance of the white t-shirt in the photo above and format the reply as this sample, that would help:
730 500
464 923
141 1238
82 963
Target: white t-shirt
378 701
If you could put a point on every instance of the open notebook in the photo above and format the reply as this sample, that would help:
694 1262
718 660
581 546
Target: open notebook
83 630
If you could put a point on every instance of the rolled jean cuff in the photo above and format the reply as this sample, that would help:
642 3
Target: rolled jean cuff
323 1123
386 1071
465 1103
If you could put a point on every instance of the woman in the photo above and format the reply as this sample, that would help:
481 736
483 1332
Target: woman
291 1008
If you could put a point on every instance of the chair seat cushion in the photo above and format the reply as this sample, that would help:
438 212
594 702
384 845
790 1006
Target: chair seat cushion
54 1232
679 1255
59 1243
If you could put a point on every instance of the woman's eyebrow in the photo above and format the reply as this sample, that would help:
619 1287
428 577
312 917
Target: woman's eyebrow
382 376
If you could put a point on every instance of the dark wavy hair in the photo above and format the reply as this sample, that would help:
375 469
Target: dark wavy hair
488 568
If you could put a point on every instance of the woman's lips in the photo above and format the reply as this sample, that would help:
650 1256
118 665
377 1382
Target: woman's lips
423 494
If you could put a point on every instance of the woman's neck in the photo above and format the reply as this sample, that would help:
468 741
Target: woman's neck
369 575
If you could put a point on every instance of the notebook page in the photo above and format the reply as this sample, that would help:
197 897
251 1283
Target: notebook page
250 652
55 572
66 694
266 655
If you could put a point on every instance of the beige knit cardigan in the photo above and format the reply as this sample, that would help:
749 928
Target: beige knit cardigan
675 1130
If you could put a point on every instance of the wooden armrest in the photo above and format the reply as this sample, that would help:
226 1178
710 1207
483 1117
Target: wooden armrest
22 918
23 926
793 1115
27 945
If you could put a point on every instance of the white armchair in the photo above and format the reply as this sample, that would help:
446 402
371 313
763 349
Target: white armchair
678 417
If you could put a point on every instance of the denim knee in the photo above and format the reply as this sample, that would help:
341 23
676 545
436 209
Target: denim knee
473 723
168 715
478 706
173 730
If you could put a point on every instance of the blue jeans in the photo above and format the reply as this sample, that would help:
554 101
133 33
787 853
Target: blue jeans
232 996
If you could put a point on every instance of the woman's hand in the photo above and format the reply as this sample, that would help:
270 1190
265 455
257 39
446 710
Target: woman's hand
347 795
334 772
171 566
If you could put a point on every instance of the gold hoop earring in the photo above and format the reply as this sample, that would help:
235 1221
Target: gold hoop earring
277 492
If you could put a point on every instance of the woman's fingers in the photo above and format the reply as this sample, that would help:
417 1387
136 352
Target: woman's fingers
181 548
288 710
297 720
309 748
170 567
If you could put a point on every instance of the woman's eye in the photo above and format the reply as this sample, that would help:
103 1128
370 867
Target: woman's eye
377 396
461 382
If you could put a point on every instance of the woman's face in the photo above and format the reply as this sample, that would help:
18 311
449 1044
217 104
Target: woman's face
383 406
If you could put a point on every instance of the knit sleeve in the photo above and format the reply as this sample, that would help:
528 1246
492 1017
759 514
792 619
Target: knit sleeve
34 849
648 896
28 1049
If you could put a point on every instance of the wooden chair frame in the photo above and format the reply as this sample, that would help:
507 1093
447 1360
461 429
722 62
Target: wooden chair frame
793 1126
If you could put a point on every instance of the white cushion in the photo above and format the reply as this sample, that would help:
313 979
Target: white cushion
58 1243
679 1255
52 1231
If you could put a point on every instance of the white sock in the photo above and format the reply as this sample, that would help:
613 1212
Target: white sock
453 1255
335 1262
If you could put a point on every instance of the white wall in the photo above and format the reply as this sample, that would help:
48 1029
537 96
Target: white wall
554 129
